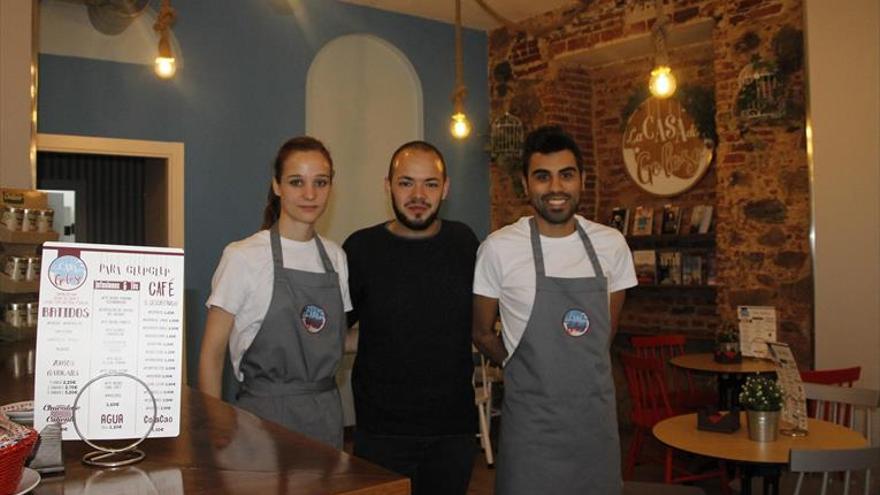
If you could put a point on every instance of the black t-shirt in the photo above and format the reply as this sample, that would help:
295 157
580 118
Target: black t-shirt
413 298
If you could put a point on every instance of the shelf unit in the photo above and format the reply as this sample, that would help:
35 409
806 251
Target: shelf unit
19 243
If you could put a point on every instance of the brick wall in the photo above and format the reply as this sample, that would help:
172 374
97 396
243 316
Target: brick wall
758 183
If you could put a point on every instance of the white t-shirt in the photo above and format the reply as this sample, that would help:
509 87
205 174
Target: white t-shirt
506 268
243 280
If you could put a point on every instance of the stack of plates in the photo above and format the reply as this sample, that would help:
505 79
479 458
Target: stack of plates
20 412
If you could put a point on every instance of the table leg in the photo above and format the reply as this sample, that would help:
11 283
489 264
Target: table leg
728 391
769 473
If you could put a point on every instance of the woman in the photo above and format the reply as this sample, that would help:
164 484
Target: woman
278 300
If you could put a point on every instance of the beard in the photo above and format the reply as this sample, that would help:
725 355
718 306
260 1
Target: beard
553 215
418 223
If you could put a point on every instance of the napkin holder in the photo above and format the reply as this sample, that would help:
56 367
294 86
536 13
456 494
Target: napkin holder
710 419
47 457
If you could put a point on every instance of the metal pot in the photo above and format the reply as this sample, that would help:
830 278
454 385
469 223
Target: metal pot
763 425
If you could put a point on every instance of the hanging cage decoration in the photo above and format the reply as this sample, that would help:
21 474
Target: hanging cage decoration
506 137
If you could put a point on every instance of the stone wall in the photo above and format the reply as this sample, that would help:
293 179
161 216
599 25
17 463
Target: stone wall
759 182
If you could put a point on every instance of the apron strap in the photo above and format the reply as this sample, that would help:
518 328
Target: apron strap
588 244
325 259
538 253
259 388
278 259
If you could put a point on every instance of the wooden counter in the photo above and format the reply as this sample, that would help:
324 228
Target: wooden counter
221 449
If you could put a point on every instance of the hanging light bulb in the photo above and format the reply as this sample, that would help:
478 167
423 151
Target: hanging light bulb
460 127
662 83
165 65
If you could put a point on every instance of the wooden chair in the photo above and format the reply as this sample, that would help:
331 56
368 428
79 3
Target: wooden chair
646 381
482 383
830 461
844 377
681 386
840 405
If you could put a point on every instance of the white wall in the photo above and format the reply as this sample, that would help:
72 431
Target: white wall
363 99
843 60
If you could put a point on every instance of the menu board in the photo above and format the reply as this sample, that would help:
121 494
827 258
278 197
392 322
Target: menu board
109 309
757 326
794 409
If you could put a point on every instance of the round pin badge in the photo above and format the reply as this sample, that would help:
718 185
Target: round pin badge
576 322
313 318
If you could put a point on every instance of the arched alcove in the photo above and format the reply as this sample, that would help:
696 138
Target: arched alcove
363 99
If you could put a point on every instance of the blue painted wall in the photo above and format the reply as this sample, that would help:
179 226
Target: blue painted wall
241 94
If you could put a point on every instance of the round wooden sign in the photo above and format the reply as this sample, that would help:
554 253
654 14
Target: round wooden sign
662 149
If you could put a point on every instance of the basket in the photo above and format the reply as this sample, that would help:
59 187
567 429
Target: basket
16 443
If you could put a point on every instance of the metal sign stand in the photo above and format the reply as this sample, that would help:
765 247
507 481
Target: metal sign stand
109 457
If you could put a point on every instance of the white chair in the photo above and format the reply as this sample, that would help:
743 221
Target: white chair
831 461
483 400
843 405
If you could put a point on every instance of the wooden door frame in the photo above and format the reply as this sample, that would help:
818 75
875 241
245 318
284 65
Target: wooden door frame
170 153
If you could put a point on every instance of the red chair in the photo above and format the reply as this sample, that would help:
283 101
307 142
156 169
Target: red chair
842 377
646 381
681 386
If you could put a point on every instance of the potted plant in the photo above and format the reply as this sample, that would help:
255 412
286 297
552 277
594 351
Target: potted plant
727 344
761 397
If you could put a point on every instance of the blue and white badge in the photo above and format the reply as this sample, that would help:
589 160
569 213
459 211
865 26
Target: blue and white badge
314 318
576 322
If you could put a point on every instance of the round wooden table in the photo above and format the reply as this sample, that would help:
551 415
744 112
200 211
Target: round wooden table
681 432
706 362
730 376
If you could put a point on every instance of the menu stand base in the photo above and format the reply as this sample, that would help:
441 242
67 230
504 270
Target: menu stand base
99 458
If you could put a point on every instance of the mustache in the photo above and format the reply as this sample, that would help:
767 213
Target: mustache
419 202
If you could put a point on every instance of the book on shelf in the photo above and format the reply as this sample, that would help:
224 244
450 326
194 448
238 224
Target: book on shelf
671 219
711 274
620 220
692 269
669 268
701 219
645 262
643 221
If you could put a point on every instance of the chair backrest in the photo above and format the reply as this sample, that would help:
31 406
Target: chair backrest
840 405
831 461
646 381
666 347
840 376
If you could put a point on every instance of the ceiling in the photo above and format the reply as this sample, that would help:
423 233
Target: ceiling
472 15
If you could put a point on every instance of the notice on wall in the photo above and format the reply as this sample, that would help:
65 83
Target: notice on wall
109 309
757 326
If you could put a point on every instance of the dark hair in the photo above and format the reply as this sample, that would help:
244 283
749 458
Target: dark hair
420 146
300 143
549 139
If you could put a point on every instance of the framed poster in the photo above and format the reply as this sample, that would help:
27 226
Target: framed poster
663 152
109 309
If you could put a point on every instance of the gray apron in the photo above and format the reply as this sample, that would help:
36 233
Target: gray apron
559 419
290 368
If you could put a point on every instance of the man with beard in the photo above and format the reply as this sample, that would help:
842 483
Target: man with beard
559 281
410 281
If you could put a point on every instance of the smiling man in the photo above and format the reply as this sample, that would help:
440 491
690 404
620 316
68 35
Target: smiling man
411 282
559 281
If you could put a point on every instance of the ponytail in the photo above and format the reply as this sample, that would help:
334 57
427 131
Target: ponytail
272 210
